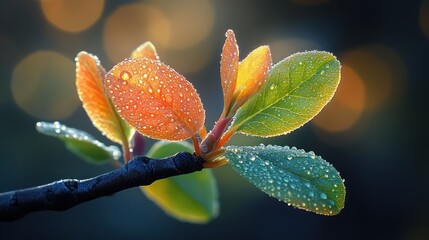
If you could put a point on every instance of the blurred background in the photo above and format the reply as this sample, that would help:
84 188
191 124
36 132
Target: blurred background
373 131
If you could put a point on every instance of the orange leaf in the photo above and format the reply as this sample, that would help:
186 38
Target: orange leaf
146 50
252 73
89 83
155 99
229 67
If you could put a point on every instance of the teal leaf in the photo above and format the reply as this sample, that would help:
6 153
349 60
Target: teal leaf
191 197
297 88
80 143
299 178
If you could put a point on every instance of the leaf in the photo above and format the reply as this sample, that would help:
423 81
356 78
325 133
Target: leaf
146 50
252 72
296 90
80 143
89 83
300 179
229 67
191 197
154 99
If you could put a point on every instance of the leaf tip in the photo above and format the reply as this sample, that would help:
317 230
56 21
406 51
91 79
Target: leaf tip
145 50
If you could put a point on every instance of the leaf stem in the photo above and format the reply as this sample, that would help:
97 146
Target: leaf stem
196 143
126 151
215 134
225 138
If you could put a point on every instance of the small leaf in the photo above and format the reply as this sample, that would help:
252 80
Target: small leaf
154 99
229 67
301 179
296 90
80 143
146 50
252 72
89 83
191 197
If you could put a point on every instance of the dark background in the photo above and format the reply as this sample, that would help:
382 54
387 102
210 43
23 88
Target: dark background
378 140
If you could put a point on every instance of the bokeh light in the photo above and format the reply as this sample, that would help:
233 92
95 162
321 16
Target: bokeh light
188 61
382 71
178 31
131 25
347 106
191 21
424 17
43 85
284 47
72 15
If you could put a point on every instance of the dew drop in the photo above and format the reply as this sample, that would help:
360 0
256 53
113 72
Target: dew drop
322 72
273 86
323 196
125 75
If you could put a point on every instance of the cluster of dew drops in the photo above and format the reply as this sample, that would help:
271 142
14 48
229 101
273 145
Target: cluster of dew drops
57 129
290 181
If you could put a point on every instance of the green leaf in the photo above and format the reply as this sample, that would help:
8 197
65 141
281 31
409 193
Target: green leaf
300 179
80 143
191 197
296 90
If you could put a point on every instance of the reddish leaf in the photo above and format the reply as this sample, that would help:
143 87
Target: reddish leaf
229 67
89 83
155 99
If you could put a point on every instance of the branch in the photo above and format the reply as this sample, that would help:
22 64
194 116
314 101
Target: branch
64 194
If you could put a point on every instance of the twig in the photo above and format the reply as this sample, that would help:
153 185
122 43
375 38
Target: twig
64 194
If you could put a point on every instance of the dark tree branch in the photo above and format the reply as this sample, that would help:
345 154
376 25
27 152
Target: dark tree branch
65 194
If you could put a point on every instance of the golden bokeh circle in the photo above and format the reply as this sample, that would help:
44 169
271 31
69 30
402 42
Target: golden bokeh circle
347 105
191 21
72 15
132 24
382 71
43 85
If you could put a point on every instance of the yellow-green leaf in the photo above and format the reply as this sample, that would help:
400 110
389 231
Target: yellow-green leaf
191 197
296 90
